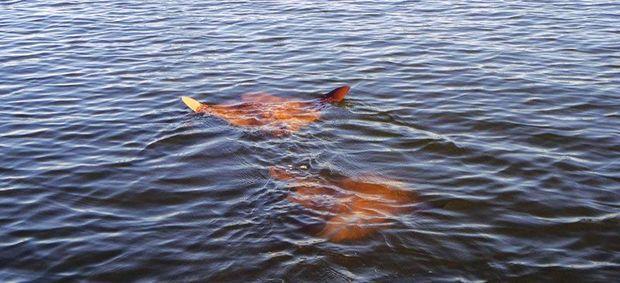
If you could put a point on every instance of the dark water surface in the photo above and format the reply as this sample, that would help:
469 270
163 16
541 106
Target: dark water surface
504 119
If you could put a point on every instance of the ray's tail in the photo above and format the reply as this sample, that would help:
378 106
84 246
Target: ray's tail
193 104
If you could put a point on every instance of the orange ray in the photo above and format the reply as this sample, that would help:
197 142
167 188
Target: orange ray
273 114
356 207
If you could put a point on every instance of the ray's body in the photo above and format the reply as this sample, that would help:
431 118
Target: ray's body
273 114
354 207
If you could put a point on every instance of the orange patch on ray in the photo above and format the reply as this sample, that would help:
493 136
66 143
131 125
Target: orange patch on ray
269 112
356 207
273 114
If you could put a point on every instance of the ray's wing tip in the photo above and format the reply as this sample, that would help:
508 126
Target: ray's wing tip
343 89
338 94
191 103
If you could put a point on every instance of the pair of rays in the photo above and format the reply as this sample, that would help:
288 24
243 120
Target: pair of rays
354 208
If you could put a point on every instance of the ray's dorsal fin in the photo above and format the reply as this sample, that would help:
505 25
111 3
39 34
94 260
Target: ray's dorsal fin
337 94
192 103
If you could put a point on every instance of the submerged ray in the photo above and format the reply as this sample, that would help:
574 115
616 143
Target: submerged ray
273 114
355 207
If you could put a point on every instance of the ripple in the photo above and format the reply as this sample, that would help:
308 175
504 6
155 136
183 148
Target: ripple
502 117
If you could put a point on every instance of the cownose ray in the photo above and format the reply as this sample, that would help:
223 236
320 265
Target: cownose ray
354 208
273 114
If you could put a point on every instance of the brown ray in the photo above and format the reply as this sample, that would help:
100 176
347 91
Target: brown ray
355 207
273 114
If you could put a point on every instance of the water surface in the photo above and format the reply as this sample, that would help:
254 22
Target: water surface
502 117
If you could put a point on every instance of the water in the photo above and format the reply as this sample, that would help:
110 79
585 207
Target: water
502 117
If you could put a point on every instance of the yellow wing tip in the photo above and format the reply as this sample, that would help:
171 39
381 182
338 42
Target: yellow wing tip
191 103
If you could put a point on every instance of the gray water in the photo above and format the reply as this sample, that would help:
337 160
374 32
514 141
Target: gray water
502 117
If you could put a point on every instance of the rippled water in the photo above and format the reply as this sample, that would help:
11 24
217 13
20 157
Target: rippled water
502 117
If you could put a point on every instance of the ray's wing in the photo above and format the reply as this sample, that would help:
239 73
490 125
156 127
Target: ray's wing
281 174
320 199
311 194
262 97
385 190
354 225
